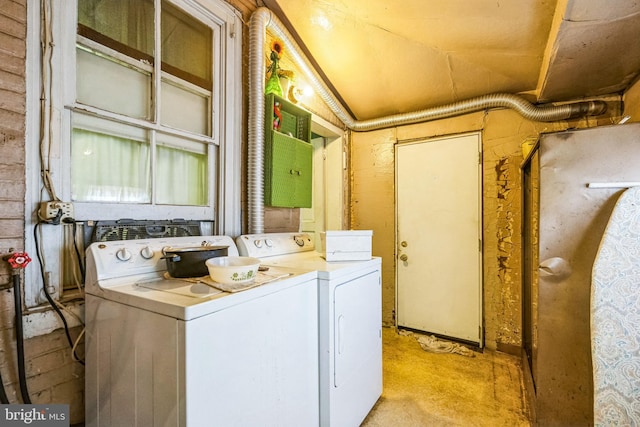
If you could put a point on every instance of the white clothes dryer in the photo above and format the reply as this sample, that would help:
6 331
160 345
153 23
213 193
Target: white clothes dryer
350 322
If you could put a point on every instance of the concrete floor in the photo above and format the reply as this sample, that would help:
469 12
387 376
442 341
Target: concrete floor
432 389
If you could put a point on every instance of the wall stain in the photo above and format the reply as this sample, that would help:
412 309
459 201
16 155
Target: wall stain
506 182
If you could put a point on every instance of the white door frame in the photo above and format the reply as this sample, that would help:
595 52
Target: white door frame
334 173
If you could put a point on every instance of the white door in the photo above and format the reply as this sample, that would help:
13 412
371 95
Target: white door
312 219
438 209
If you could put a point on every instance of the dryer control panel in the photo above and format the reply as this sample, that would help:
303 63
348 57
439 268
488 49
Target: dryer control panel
273 244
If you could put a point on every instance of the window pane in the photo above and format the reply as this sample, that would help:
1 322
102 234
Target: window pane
109 168
122 25
185 109
186 47
181 175
112 86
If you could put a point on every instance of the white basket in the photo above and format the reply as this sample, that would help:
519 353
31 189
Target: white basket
346 245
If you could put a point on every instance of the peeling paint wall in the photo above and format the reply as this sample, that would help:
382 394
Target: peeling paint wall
503 133
373 203
632 102
506 172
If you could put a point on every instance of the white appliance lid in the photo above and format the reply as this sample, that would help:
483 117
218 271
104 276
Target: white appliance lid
186 301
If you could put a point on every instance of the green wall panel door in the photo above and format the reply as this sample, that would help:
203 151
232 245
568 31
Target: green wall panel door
288 161
290 173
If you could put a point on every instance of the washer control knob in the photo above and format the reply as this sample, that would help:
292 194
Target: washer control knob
299 240
123 254
258 243
146 252
268 242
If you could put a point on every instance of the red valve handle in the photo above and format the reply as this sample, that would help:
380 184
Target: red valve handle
18 260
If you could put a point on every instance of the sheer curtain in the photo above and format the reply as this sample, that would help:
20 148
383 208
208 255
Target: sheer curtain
181 177
107 168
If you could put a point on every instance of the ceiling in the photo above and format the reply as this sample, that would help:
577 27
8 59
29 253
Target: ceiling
384 57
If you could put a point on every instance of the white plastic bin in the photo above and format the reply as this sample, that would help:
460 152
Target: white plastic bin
346 245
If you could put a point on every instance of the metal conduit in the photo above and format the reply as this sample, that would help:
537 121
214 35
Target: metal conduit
263 19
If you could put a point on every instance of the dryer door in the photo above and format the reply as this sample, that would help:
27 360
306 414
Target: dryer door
357 326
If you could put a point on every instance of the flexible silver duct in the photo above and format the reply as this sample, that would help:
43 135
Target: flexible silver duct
263 19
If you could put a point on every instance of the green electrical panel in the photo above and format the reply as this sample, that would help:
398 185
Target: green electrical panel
288 160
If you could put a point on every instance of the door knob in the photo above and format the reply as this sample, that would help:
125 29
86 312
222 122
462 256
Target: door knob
404 257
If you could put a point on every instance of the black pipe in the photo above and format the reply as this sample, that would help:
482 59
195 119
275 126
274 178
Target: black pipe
3 394
20 337
48 296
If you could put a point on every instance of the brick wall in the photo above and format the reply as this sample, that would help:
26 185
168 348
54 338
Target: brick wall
13 28
52 375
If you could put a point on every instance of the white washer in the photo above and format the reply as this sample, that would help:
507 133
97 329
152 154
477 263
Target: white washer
165 352
350 309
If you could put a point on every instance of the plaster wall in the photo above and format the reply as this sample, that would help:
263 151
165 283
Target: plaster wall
503 134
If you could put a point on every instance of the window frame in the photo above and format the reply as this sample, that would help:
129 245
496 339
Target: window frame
154 124
223 145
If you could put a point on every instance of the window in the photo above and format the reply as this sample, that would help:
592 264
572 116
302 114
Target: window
144 97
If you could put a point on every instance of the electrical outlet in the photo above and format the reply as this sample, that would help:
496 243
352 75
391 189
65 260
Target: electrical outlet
49 210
